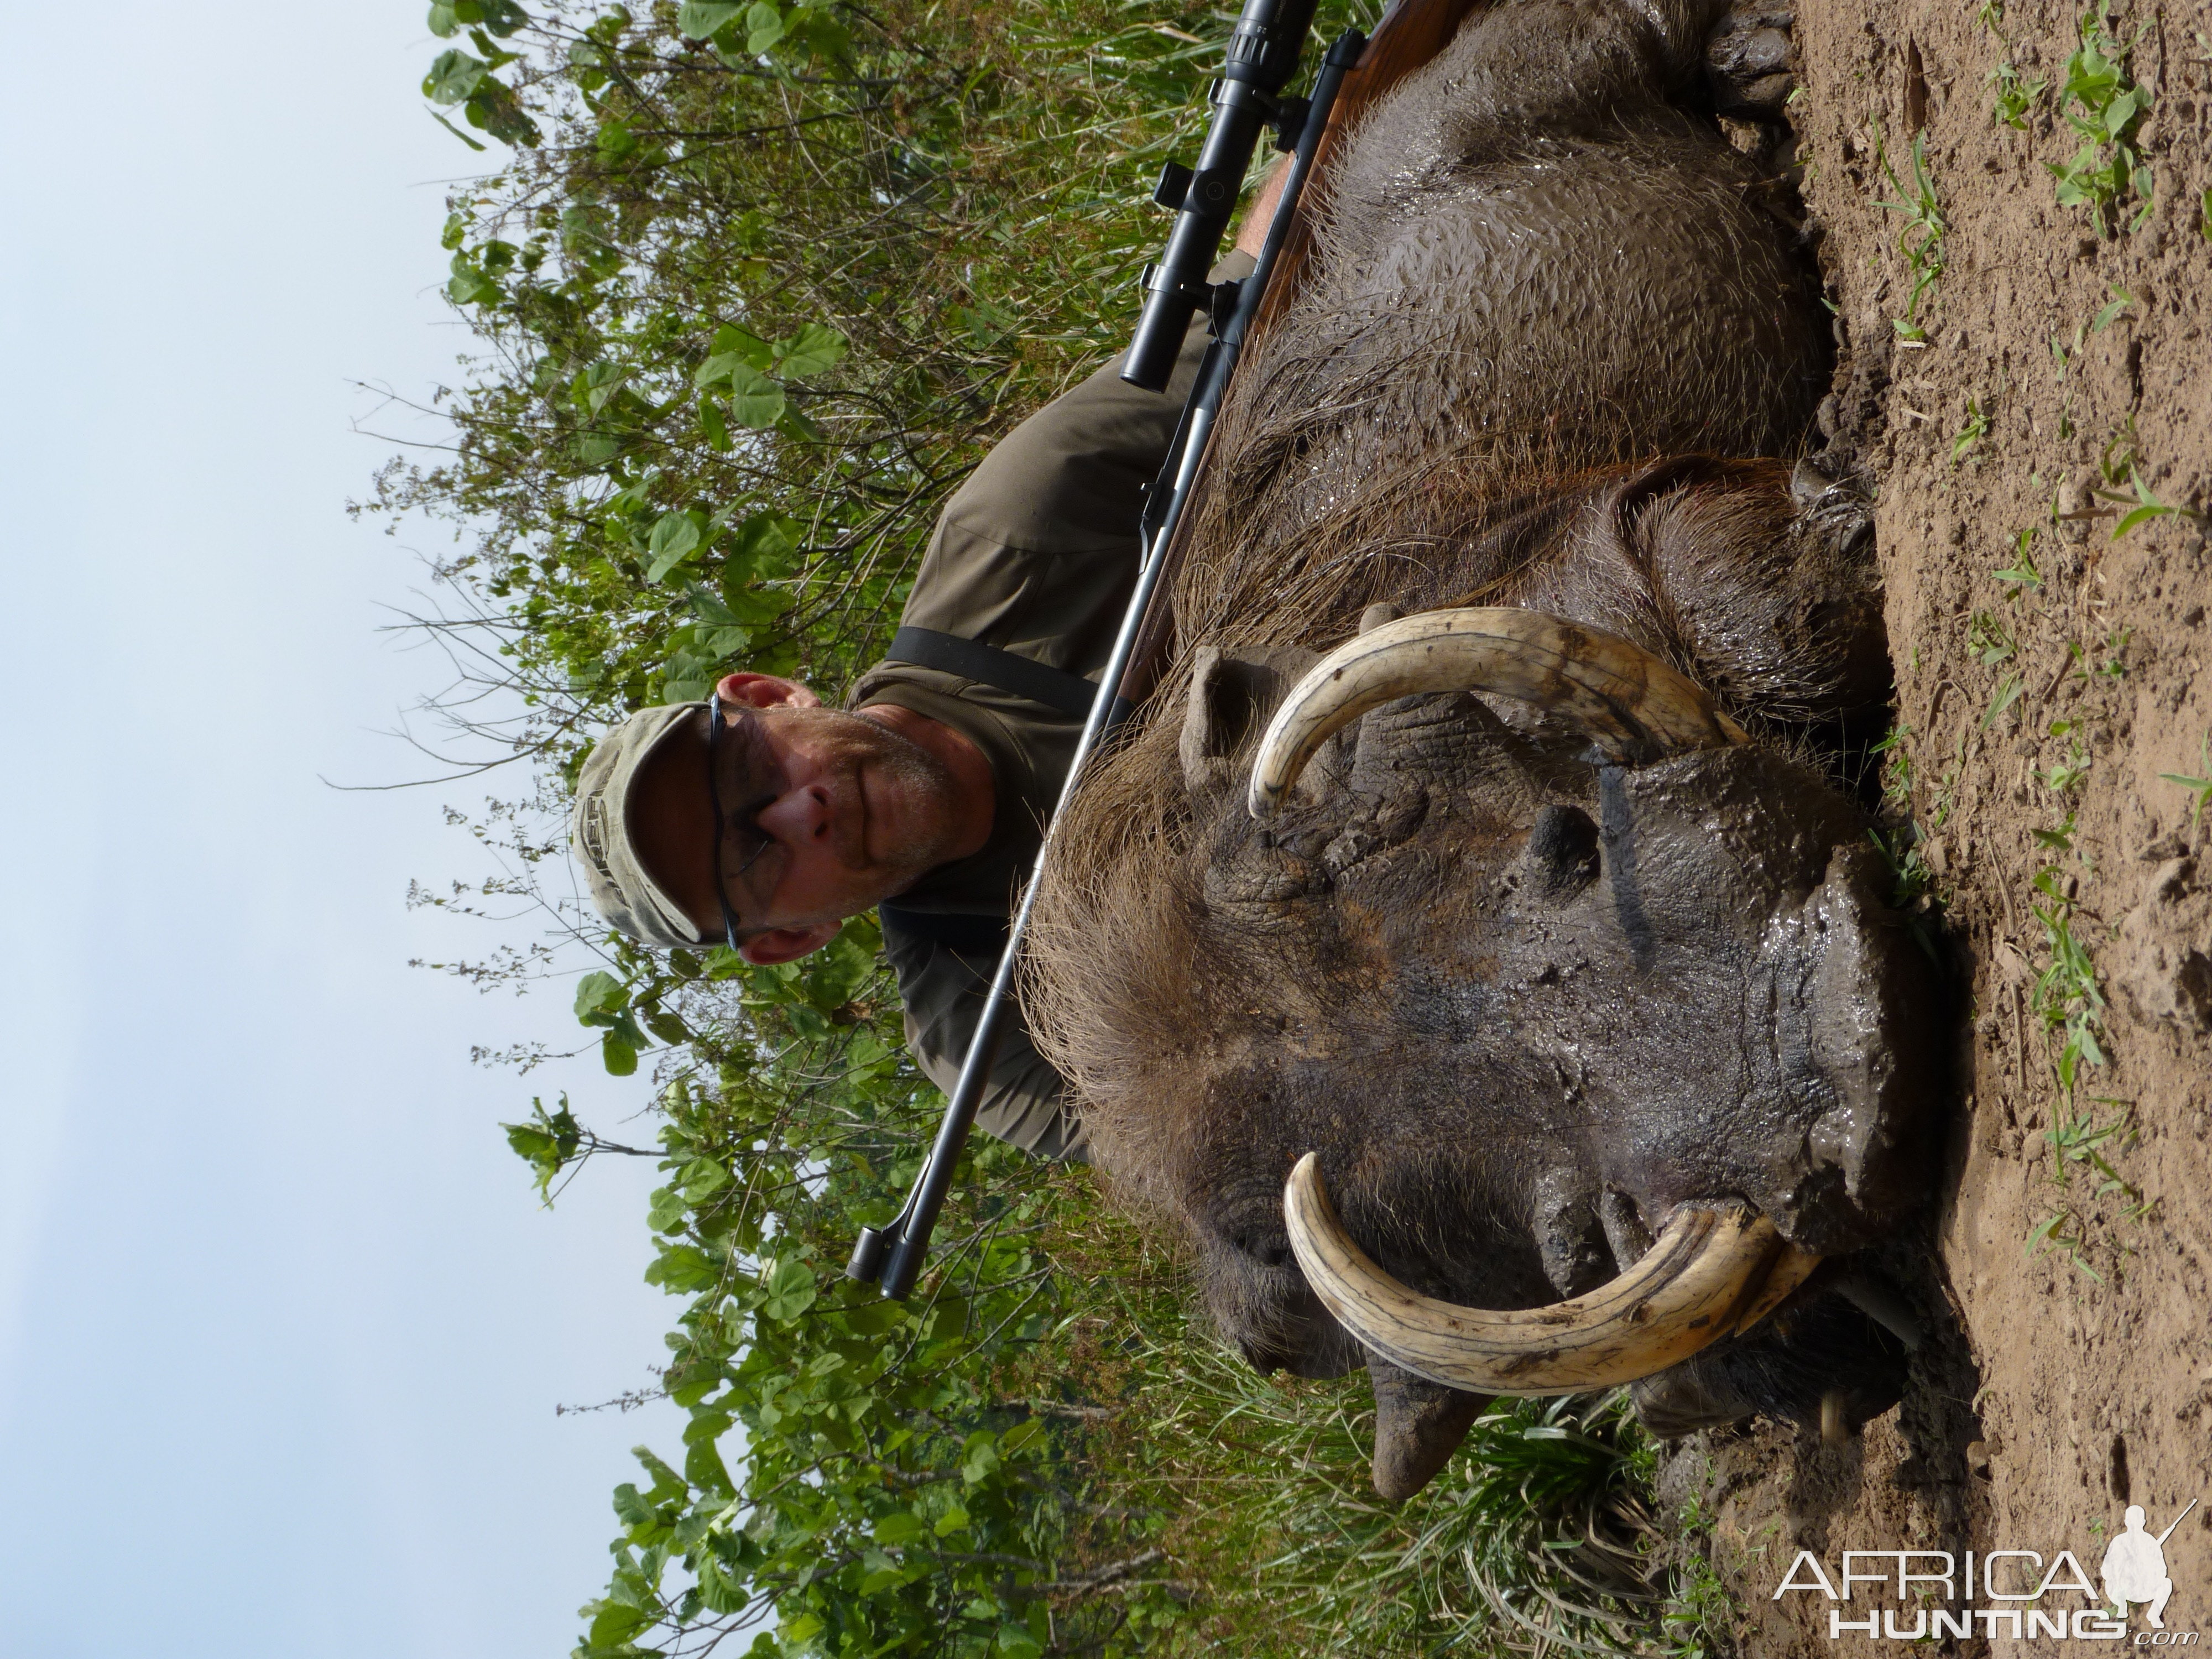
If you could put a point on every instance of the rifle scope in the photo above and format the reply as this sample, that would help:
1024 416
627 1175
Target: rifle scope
1262 52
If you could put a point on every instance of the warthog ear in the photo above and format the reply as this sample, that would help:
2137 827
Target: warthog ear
1230 698
1417 1426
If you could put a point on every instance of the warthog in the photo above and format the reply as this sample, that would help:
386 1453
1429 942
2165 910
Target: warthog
1531 926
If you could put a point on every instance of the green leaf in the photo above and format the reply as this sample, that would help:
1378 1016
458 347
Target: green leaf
980 1461
600 993
597 386
755 400
697 19
713 427
683 1268
2007 694
797 426
667 1485
701 1179
667 1210
791 1291
704 1465
502 17
873 1318
615 1621
547 1142
708 605
616 140
899 1527
813 350
719 366
630 1508
617 1054
761 539
764 27
744 344
676 536
454 76
469 286
456 131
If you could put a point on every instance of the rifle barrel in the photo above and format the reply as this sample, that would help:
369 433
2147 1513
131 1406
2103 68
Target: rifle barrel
892 1255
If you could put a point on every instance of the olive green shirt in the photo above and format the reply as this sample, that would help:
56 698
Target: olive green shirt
1037 555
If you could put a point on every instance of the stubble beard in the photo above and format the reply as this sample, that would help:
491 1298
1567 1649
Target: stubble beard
917 776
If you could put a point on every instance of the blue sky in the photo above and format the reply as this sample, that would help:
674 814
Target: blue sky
282 1328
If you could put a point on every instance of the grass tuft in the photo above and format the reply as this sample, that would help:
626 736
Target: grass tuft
2200 786
1920 239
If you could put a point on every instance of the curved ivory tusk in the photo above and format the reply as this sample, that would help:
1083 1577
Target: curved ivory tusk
1713 1271
1632 705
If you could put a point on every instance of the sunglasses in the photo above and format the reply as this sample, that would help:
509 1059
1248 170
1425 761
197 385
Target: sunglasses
738 832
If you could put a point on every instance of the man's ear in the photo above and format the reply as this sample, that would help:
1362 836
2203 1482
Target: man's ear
766 691
788 943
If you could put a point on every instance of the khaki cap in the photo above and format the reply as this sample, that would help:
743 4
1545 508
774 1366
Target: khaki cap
598 830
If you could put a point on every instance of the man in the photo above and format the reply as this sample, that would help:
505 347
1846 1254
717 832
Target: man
763 818
2133 1568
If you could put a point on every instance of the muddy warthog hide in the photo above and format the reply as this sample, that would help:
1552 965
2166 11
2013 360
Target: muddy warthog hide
1533 944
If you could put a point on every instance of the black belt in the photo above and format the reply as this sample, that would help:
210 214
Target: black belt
1071 694
962 933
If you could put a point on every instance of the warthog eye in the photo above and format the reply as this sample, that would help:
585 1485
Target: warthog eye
1562 853
1268 1250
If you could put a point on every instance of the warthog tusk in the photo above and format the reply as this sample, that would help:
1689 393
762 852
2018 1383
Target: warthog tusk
1712 1273
1632 705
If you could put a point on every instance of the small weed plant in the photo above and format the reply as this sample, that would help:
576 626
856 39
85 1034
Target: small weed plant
2022 574
2121 464
2066 994
2064 776
2200 786
1989 640
1920 239
1976 428
2106 107
2014 96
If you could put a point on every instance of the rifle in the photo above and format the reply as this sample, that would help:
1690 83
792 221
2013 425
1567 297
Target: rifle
1263 50
2178 1520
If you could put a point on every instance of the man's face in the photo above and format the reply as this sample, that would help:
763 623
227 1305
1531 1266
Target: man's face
824 814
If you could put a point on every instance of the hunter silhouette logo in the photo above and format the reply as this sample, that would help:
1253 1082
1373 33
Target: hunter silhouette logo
2133 1568
1993 1592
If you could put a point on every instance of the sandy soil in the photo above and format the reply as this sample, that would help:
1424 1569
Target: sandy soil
2046 1399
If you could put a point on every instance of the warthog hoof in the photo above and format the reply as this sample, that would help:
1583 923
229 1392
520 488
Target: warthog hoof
1747 61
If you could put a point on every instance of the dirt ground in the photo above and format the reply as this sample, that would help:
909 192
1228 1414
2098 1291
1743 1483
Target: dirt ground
2067 1371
